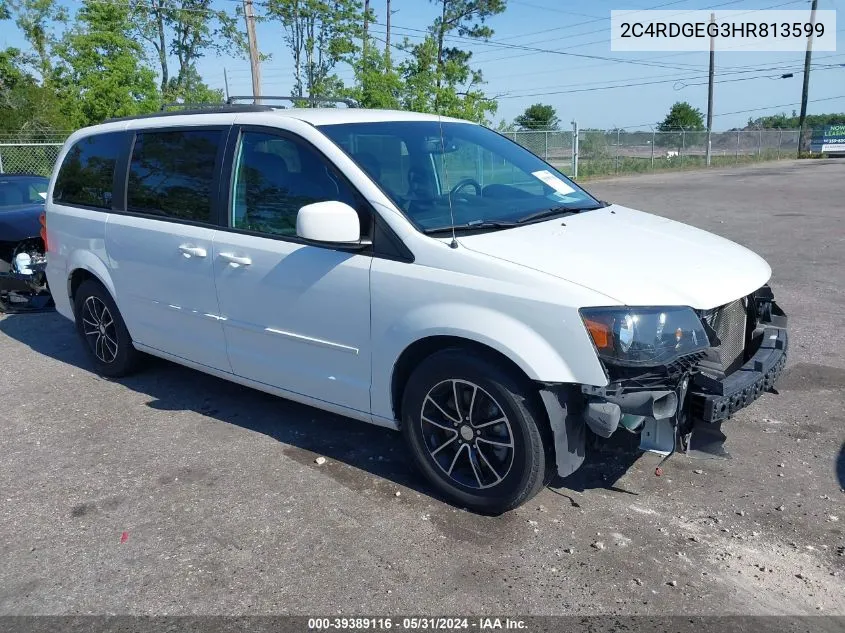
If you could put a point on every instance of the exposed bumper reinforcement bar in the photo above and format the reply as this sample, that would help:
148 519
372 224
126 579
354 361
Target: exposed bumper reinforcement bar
717 400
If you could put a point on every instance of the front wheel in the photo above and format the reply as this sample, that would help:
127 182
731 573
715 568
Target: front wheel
476 431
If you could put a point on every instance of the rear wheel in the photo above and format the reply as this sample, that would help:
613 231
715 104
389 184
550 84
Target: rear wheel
476 431
103 331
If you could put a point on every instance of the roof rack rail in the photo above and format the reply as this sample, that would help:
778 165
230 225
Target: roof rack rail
350 103
191 106
216 108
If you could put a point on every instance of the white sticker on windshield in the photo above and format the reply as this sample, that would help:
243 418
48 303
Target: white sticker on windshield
43 194
553 181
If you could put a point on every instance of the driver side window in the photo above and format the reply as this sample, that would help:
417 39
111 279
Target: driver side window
276 176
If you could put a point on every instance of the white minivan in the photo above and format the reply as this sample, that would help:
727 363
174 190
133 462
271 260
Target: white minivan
413 271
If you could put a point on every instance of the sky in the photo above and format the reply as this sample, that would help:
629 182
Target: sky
630 90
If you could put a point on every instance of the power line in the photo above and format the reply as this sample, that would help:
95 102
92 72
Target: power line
673 78
645 83
491 79
604 29
782 105
546 50
603 41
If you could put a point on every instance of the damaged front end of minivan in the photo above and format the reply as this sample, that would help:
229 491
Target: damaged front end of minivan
674 376
23 280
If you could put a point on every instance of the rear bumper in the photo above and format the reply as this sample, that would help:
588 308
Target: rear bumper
717 400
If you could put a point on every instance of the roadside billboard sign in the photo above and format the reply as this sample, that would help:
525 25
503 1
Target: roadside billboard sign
829 140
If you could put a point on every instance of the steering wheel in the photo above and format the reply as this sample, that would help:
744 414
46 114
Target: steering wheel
466 182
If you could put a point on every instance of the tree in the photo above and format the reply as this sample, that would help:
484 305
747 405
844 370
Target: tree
186 30
467 17
378 84
782 121
35 18
682 116
438 78
189 87
320 34
103 73
538 117
505 128
27 109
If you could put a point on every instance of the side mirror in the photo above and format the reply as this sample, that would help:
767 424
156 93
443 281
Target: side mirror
332 221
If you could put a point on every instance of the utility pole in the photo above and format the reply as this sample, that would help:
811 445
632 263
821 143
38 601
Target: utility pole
366 25
226 82
710 93
804 93
387 39
254 60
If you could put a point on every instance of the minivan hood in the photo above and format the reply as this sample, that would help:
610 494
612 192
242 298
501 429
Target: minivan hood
634 257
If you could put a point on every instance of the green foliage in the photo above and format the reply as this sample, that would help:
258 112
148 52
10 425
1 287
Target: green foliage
538 117
189 88
98 67
504 127
320 34
681 120
378 83
104 74
438 78
682 116
784 122
186 30
27 109
35 18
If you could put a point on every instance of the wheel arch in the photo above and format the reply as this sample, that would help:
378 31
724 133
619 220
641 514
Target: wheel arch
83 265
424 347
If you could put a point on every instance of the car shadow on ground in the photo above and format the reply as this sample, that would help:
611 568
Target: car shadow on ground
306 431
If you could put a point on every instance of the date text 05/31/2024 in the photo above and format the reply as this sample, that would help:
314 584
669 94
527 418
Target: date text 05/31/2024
414 624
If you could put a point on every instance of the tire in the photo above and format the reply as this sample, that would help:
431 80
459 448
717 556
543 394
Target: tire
469 461
110 347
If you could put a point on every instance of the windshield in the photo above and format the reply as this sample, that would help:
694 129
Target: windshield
19 190
468 176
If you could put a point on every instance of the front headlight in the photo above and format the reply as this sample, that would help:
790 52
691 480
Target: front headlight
644 336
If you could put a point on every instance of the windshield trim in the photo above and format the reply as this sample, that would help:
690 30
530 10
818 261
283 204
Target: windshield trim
419 228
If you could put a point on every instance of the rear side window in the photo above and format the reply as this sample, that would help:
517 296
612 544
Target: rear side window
87 172
172 173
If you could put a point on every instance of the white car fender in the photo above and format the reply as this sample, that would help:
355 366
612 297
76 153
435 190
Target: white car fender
86 260
536 356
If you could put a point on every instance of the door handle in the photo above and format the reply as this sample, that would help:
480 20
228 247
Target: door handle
192 251
235 261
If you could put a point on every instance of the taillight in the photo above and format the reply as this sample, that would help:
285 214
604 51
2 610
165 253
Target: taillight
42 219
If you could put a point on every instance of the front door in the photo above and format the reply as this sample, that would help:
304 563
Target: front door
295 316
160 253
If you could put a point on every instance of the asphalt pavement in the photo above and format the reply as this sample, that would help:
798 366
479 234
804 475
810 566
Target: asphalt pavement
172 492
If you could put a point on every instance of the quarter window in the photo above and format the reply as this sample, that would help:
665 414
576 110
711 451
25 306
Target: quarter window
87 172
274 178
172 173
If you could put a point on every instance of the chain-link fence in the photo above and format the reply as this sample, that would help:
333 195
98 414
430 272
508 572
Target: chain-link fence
602 152
30 158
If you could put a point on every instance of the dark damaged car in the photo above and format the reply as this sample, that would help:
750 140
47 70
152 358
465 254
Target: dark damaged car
23 283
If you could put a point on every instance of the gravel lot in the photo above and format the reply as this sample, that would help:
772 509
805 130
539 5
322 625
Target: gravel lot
172 492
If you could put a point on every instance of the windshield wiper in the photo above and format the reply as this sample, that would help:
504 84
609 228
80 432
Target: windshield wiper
548 213
475 224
